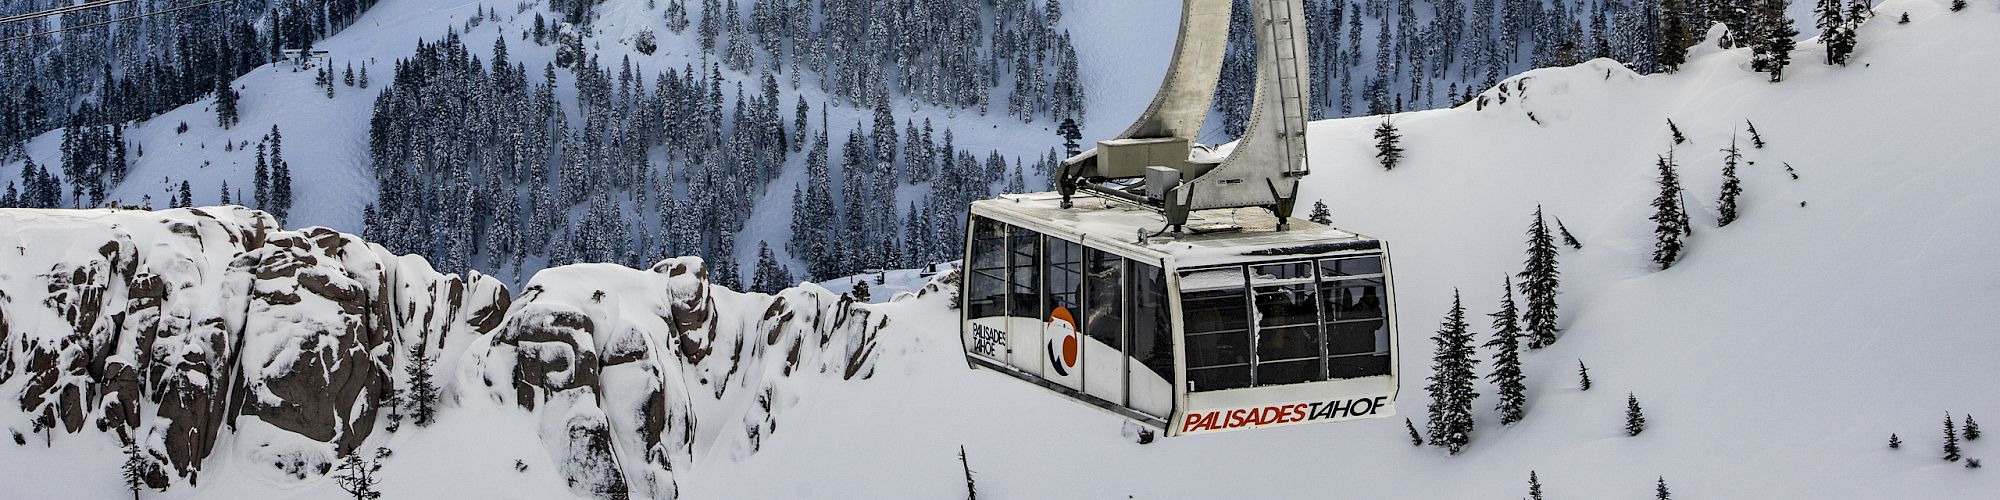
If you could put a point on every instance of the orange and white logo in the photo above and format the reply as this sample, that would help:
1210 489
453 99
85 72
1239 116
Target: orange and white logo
1064 346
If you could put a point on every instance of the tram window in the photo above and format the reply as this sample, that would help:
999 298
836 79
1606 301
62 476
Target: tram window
1151 375
987 277
1104 297
1024 256
1218 334
1064 272
1288 345
1285 271
1357 341
1356 266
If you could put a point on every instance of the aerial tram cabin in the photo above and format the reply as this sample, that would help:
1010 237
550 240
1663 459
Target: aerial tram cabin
1168 283
1247 327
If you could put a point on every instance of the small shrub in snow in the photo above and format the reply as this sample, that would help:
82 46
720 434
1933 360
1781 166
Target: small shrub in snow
1676 130
357 477
1971 428
1972 463
1416 438
860 290
135 469
1905 19
1568 239
520 466
1950 439
1660 490
646 42
1957 5
1534 486
1635 418
1583 373
1895 442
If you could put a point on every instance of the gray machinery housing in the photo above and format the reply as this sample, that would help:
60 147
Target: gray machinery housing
1151 162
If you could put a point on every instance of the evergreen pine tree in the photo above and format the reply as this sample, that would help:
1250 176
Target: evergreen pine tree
423 393
1416 439
1674 37
1905 19
1731 186
1971 428
1541 280
1957 5
225 105
1950 439
1534 486
135 469
1676 130
225 193
362 81
1450 385
1386 145
261 180
1773 50
1507 377
1660 490
1583 375
1320 214
1635 419
1895 442
1568 239
1668 215
1755 138
186 195
861 293
1070 134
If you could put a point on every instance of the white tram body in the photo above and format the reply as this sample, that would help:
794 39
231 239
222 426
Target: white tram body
1235 325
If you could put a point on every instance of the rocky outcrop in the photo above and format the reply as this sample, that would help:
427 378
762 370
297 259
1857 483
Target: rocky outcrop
171 328
628 370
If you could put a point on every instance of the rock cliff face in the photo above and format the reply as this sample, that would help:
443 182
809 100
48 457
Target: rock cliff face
634 373
171 329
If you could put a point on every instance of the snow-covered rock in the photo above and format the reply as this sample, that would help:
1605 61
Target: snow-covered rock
163 327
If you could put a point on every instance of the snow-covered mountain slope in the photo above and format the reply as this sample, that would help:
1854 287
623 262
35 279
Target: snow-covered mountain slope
1773 361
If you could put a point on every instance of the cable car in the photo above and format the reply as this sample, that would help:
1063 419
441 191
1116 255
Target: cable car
1167 282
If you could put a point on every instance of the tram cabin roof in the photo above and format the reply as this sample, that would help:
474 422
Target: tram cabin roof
1212 237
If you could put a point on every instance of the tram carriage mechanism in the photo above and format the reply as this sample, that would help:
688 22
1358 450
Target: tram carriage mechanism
1176 290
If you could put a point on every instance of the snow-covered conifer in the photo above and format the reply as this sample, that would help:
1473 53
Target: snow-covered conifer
1416 438
1450 387
1506 376
1635 418
1731 185
1534 486
1773 50
1971 428
1321 214
1660 490
1668 215
1541 280
423 393
1951 451
1387 148
1895 442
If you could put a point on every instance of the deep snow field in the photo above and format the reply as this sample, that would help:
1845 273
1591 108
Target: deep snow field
1773 361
